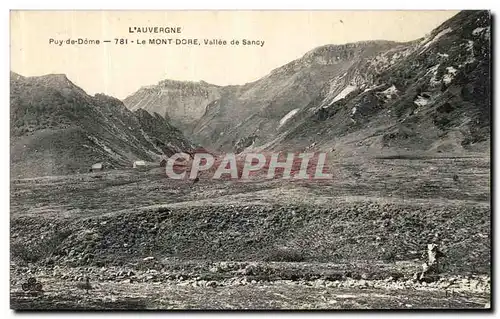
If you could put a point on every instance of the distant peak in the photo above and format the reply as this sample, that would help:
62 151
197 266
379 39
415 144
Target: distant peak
178 83
56 81
56 76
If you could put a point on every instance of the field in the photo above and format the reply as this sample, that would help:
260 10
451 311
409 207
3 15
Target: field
353 242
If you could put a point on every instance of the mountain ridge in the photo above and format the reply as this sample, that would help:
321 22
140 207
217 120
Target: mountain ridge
428 92
172 105
56 128
376 77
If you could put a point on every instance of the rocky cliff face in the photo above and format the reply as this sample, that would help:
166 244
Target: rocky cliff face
181 102
56 128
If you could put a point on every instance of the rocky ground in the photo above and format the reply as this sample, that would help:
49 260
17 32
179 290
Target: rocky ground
146 242
151 289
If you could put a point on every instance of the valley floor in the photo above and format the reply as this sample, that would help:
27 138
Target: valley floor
272 295
353 242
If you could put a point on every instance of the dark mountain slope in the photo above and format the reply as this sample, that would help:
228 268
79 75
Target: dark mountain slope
434 97
56 128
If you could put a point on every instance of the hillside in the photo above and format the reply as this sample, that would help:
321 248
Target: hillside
56 128
432 95
181 102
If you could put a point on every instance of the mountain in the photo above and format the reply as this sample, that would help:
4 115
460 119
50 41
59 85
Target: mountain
431 94
428 95
254 112
181 102
56 128
222 116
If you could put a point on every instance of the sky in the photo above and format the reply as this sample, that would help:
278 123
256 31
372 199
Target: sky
121 69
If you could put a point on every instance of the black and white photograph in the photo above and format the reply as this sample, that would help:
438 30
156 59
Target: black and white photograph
250 160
